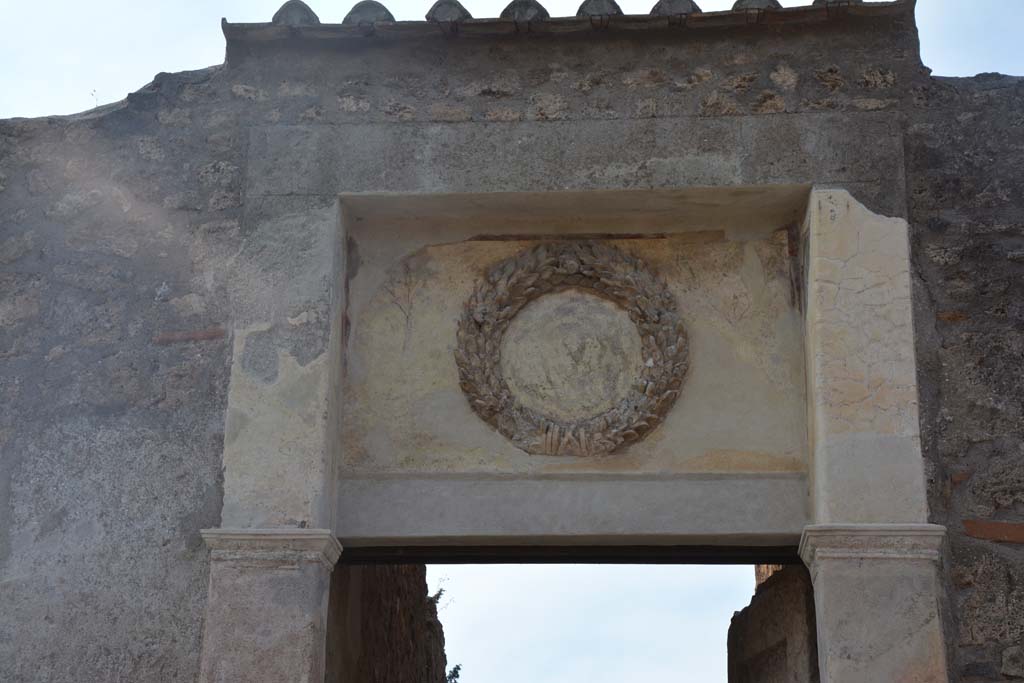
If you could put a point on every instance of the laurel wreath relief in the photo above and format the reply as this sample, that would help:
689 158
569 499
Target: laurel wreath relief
551 267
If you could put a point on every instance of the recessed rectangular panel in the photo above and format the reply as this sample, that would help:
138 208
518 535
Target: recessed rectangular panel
611 335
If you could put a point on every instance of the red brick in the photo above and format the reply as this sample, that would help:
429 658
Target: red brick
959 477
1006 532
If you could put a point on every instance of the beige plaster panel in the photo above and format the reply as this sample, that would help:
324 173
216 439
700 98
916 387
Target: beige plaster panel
863 407
741 408
275 450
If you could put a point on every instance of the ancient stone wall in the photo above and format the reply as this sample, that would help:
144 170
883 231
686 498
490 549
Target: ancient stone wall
965 189
773 639
383 627
114 358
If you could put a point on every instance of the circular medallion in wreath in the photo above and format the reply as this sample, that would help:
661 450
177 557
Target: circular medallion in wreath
571 348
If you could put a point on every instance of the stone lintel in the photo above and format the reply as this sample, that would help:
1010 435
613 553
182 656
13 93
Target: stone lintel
738 510
273 546
871 541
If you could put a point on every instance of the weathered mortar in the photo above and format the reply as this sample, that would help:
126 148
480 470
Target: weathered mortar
135 238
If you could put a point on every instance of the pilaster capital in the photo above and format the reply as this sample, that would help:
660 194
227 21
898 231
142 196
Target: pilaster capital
272 547
871 542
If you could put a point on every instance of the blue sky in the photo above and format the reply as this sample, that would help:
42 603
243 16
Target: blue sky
542 624
589 623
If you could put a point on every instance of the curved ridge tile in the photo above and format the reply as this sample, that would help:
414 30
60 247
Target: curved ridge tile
756 4
525 10
367 12
295 13
448 11
598 8
671 8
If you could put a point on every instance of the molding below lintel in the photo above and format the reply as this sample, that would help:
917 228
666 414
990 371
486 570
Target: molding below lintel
278 544
871 541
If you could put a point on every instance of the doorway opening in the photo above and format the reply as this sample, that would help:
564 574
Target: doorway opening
569 620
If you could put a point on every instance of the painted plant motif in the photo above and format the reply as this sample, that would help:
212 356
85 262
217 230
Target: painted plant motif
595 268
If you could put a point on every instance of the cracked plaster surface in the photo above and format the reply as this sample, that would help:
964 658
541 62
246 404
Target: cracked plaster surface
861 367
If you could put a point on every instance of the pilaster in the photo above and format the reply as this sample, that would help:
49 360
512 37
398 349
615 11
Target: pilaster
876 594
873 560
266 614
866 464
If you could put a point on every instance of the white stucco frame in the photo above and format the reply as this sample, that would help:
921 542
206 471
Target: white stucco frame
860 515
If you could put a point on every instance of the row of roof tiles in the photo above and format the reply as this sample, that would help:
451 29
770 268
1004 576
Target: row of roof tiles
297 13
